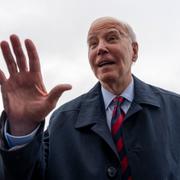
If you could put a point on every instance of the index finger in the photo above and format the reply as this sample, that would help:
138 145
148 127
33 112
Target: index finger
34 64
20 56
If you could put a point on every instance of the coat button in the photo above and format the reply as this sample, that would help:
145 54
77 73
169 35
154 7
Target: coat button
111 171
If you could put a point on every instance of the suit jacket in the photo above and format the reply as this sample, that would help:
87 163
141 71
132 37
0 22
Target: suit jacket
78 142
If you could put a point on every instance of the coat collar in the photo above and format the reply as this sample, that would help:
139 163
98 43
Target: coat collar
143 93
92 110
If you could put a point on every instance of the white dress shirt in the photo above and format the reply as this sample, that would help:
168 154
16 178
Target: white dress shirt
128 94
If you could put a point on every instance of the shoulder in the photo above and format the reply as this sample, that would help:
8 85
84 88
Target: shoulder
142 88
73 107
166 98
66 113
165 93
75 103
151 94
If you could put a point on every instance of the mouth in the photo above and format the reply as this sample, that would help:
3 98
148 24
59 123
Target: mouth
105 63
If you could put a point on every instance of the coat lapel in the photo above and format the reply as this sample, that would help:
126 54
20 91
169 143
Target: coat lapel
143 94
92 115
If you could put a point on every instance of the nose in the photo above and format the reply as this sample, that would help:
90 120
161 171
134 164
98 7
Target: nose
102 48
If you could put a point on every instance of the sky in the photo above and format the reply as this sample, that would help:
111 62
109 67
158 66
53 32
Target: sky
59 30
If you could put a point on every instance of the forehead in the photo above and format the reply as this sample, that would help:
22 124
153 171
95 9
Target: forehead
103 25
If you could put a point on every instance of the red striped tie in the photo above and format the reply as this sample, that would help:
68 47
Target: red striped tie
116 129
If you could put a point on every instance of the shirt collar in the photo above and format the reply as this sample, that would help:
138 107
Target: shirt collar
128 94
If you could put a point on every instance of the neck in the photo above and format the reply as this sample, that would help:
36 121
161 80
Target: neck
117 87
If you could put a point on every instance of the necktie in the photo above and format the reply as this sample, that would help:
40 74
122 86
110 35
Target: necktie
116 130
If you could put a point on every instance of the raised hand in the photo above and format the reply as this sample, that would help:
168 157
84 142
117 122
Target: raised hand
25 98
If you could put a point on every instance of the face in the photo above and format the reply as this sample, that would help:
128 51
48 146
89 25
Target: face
111 52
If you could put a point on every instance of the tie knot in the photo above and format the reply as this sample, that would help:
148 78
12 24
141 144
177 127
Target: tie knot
118 99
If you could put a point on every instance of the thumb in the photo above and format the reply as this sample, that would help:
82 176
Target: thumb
56 92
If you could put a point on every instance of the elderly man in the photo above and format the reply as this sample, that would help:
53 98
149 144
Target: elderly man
121 129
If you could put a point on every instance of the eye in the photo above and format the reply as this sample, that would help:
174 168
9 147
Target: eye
93 44
112 38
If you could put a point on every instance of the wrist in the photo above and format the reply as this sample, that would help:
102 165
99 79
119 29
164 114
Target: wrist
22 129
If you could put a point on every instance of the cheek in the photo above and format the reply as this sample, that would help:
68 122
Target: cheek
124 55
129 53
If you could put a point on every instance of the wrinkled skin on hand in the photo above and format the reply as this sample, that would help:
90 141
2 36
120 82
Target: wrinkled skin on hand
25 98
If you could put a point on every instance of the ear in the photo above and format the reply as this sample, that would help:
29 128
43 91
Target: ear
135 51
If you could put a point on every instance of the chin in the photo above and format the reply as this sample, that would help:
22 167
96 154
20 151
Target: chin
107 78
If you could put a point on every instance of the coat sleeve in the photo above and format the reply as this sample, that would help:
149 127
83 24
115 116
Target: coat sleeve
27 162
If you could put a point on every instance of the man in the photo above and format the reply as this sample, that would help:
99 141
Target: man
82 140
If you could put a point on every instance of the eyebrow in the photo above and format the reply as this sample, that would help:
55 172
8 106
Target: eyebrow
113 31
93 35
121 32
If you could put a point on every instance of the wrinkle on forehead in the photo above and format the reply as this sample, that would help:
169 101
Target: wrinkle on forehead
106 23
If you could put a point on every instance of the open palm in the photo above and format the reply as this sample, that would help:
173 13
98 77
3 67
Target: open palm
25 99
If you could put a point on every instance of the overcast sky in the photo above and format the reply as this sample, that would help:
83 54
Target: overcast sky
59 29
